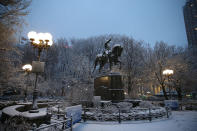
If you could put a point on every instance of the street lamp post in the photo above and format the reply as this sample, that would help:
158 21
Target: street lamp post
40 41
27 68
168 73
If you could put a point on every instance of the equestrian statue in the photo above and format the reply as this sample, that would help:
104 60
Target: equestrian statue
109 56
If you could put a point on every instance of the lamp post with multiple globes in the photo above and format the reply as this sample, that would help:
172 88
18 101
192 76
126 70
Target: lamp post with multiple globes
27 68
168 73
41 41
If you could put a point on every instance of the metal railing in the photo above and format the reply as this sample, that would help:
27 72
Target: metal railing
96 114
62 125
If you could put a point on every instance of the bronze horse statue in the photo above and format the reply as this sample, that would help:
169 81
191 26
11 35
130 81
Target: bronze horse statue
108 55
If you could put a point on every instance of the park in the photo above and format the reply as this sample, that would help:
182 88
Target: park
98 65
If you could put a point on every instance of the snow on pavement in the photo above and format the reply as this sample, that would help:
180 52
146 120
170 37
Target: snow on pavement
180 121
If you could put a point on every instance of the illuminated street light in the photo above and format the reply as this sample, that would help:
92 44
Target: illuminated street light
168 73
40 41
27 68
148 92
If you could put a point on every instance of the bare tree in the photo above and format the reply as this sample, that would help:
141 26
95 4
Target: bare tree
161 54
133 63
11 20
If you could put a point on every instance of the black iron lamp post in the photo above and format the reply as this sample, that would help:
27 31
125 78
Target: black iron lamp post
27 68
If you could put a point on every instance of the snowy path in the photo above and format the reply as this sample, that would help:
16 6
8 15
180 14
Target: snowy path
180 121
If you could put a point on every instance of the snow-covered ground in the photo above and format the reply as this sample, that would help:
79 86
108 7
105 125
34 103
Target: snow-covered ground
179 121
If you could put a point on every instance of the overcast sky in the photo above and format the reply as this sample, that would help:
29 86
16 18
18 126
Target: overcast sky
148 20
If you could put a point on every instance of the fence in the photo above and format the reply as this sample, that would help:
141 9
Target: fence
73 113
120 115
62 125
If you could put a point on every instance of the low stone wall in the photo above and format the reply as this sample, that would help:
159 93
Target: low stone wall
38 118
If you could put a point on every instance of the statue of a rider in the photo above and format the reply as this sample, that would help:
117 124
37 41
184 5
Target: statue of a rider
109 56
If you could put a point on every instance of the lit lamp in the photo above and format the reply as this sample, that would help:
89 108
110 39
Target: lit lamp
168 73
40 41
27 68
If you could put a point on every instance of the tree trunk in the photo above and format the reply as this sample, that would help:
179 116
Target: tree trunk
179 92
129 85
164 92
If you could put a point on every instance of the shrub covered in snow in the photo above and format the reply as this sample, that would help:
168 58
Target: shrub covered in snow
133 114
127 112
146 104
125 106
111 109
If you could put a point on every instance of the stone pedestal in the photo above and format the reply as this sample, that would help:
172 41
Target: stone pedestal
109 87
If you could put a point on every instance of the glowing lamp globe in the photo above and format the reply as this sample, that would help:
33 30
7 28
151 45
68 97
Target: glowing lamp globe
27 67
41 36
168 72
48 36
32 35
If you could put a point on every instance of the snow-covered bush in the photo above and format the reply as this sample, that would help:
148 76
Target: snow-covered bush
111 109
145 104
133 114
125 106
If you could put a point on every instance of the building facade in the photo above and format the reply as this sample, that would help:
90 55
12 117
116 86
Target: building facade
190 17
